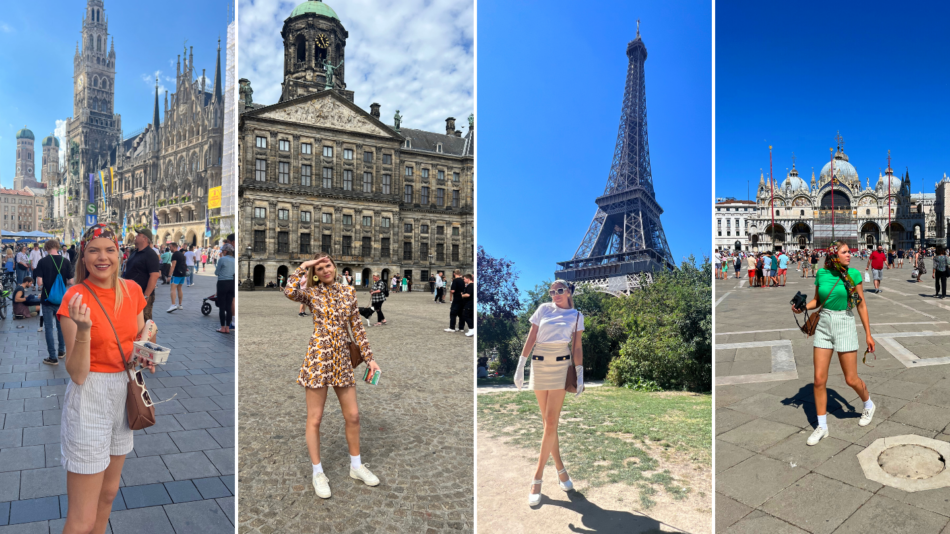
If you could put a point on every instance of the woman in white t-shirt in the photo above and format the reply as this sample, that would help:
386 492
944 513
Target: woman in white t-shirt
553 326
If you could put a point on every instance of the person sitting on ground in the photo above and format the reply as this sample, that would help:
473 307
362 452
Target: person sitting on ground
24 305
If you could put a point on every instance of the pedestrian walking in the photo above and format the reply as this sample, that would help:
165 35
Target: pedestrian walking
838 291
940 272
404 284
876 264
144 267
738 264
166 258
101 317
468 304
554 326
379 294
919 264
456 302
814 263
327 364
204 260
900 259
717 263
440 287
190 261
224 292
782 268
22 264
750 263
178 269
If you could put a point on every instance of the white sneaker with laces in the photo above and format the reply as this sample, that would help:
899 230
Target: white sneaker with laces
321 485
817 436
173 308
362 473
867 416
451 330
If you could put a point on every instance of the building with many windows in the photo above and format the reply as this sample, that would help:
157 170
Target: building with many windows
22 210
730 229
319 173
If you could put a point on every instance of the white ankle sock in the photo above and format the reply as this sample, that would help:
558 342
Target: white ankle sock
868 404
317 468
355 461
823 421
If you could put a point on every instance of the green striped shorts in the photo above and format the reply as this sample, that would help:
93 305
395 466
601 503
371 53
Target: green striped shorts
836 330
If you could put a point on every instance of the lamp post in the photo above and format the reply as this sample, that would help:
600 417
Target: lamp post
430 265
248 283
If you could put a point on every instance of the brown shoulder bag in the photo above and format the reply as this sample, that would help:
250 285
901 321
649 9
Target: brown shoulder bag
571 383
356 357
138 403
811 322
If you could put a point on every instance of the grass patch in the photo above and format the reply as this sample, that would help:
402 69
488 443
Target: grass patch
502 380
612 435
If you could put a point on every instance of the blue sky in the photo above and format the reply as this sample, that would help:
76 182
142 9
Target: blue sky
793 78
550 87
37 47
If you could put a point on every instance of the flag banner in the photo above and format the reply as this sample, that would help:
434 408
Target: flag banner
208 221
102 184
154 222
92 187
125 224
214 197
112 175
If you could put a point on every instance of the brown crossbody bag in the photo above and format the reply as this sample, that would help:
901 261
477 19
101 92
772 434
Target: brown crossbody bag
811 322
138 403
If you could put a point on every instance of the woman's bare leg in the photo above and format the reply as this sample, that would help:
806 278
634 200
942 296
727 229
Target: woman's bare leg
316 399
822 358
82 493
351 414
550 415
849 364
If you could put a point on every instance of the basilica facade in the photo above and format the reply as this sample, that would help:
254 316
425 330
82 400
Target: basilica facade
319 173
797 214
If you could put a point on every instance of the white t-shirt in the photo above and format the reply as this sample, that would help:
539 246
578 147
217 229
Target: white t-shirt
190 258
555 325
35 256
718 258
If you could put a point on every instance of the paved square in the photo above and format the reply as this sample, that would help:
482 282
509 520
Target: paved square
187 443
767 478
417 428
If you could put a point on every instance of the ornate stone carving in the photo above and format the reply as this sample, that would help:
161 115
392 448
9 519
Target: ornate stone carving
325 112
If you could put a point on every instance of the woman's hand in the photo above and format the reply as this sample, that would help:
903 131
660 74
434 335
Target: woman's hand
373 366
870 342
79 313
797 311
311 263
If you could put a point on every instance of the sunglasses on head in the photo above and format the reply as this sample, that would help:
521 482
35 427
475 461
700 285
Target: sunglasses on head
558 291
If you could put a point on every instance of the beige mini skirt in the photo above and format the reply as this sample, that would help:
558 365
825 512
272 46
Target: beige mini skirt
549 367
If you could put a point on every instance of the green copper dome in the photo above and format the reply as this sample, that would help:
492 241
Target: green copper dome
316 7
25 134
49 140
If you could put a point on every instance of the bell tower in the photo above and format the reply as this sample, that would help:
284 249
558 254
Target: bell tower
314 45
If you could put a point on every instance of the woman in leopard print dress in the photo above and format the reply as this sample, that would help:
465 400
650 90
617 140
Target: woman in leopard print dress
333 305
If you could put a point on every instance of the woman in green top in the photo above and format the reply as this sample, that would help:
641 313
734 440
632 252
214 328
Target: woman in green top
839 287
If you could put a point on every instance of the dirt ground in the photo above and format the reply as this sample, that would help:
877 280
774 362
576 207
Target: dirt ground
504 481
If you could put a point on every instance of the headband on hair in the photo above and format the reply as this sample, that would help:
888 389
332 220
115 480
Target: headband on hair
98 231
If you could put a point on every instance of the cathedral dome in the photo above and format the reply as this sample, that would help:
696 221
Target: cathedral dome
25 134
316 7
843 170
794 182
49 140
895 184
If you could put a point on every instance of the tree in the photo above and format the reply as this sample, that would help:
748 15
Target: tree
497 291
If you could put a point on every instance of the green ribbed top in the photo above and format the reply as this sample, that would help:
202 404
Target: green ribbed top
314 6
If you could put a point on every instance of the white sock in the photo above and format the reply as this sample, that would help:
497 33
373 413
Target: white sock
355 461
318 468
823 421
868 404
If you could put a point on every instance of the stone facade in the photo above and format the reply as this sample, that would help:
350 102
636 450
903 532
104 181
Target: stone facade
22 210
318 173
729 232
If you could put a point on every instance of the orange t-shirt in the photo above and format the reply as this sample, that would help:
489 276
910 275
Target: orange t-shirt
104 355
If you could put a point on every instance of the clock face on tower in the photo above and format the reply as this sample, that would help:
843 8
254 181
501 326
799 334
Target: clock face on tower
323 41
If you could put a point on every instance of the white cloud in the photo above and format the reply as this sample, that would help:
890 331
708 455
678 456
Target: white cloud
149 80
416 56
5 28
60 133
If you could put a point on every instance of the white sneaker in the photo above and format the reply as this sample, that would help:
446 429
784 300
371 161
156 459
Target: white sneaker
362 473
867 416
534 499
173 308
470 333
817 436
180 307
321 485
40 329
451 330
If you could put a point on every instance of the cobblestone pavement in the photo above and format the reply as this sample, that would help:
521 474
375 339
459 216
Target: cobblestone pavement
767 478
180 476
417 425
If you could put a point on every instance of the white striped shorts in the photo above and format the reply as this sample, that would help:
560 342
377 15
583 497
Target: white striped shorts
94 423
836 330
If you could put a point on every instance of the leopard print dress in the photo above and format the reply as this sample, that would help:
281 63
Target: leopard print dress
328 355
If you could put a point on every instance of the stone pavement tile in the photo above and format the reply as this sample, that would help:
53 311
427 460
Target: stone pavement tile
42 403
4 513
229 482
224 389
164 424
45 482
145 496
727 419
891 428
759 523
759 434
9 489
182 491
23 420
759 405
11 406
228 507
212 488
148 470
923 416
192 440
59 391
798 414
726 395
204 380
801 390
223 460
151 520
224 402
11 438
19 458
168 393
816 503
795 451
12 377
193 421
174 382
757 479
844 466
935 396
39 527
937 500
200 391
729 511
224 436
154 445
725 356
900 389
748 367
169 408
25 393
53 455
199 404
189 465
728 455
52 417
882 514
223 417
929 375
33 510
41 435
205 517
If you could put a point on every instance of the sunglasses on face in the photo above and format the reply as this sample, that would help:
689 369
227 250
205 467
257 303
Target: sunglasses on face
558 291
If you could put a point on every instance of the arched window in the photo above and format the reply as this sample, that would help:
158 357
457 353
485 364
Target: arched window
301 48
98 44
95 82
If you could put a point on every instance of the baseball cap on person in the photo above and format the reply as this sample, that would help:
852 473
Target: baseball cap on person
146 232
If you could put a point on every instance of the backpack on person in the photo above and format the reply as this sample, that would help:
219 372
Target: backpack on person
56 291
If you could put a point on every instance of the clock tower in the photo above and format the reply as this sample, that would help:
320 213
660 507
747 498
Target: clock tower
314 44
25 159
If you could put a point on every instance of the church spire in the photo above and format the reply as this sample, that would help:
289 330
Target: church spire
156 118
217 75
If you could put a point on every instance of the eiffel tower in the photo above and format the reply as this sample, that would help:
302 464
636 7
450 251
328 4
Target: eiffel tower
625 243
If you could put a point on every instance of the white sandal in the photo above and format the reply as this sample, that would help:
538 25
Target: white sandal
534 499
568 484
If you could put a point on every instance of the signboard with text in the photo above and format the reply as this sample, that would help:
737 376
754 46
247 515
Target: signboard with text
214 198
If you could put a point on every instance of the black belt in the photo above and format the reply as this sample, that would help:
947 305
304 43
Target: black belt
557 359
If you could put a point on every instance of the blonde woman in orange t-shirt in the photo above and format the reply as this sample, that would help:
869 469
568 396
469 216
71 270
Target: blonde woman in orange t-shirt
95 434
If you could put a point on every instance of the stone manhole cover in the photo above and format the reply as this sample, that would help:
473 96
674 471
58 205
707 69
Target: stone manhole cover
912 461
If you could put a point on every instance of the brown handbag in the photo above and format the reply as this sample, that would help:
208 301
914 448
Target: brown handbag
811 322
356 357
571 383
138 403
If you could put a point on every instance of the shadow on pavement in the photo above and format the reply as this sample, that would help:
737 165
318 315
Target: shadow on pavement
595 519
837 405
